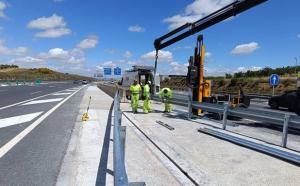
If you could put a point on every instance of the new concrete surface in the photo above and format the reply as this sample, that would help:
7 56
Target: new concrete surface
88 160
208 160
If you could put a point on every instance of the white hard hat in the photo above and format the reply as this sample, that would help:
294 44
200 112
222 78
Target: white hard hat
149 82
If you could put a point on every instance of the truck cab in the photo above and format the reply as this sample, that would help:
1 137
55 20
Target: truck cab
143 74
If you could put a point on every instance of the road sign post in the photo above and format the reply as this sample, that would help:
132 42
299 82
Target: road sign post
274 81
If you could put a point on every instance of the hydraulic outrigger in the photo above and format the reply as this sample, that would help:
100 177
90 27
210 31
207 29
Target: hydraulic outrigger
201 88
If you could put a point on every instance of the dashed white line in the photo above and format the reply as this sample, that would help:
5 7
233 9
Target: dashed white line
8 146
15 120
43 101
5 107
61 94
35 92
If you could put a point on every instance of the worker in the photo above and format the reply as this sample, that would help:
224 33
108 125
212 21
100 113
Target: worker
166 94
135 90
146 92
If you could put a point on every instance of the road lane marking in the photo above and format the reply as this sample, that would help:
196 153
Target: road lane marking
35 92
9 145
5 107
61 94
43 101
15 120
68 90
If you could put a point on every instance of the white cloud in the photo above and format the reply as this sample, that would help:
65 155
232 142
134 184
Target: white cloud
27 59
195 11
2 8
53 33
132 63
74 56
177 68
136 28
127 54
109 64
163 56
245 69
19 51
245 48
99 67
53 26
44 23
90 42
208 54
221 71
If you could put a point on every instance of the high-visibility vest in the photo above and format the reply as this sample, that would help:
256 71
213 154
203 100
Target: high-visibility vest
135 89
146 90
166 95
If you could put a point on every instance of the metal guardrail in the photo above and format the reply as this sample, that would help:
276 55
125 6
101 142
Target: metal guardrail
286 120
120 175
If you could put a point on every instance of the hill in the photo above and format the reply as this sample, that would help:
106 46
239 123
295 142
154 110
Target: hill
44 74
252 82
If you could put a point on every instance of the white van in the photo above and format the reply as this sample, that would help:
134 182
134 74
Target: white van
143 74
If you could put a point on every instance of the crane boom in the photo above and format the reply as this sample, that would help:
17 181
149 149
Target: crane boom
189 29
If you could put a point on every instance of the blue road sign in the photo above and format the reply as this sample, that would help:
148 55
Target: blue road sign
274 80
107 71
117 71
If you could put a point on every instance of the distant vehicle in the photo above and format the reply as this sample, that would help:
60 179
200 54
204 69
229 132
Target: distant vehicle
84 82
76 82
289 100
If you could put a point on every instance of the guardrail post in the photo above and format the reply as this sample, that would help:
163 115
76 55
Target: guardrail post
285 130
225 116
123 140
189 104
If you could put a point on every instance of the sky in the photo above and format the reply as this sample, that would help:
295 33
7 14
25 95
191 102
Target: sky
82 37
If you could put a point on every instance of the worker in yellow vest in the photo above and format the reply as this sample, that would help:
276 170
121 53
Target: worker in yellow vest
166 94
135 90
146 93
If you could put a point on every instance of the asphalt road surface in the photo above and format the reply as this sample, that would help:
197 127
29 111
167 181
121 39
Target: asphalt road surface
36 124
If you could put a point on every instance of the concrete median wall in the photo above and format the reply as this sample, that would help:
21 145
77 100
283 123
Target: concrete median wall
108 89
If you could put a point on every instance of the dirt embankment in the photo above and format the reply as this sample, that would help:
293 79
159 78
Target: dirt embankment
45 74
250 85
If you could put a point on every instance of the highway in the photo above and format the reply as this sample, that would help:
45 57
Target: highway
36 124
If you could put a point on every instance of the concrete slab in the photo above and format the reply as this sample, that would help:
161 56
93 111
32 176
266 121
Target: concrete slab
208 160
89 158
80 166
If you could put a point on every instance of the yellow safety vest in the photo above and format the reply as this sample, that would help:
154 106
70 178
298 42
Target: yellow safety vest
135 89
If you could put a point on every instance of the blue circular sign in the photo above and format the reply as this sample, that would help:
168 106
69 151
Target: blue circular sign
274 80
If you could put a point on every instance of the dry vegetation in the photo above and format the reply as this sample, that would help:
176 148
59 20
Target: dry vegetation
45 74
250 85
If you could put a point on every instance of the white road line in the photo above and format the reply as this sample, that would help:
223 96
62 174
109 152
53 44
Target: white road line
5 107
61 94
9 145
35 92
43 101
68 90
18 119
